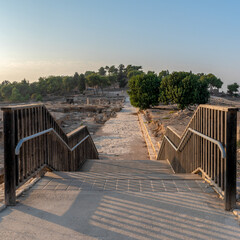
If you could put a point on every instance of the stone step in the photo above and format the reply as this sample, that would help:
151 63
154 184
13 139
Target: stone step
127 166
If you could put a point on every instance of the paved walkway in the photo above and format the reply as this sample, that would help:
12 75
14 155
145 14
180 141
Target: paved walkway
121 137
119 199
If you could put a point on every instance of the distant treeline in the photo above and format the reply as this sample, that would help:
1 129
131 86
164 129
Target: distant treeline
60 85
146 89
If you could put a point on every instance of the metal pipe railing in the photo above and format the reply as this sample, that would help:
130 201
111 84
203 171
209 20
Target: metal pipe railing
218 143
20 143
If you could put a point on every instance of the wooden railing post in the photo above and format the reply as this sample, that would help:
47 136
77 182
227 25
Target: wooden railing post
9 157
231 158
38 151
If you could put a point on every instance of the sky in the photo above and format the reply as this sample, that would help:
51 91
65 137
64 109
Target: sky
61 37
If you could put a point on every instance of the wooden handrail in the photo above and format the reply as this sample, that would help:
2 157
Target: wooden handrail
198 151
26 121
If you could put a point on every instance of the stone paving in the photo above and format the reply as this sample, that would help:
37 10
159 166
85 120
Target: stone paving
133 176
120 202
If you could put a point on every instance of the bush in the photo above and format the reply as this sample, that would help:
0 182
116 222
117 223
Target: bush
233 89
16 96
184 89
144 90
36 97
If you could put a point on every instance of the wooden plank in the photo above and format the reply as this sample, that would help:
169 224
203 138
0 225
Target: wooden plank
221 108
208 132
30 150
205 141
9 158
201 140
222 141
38 139
34 141
25 144
218 151
18 107
215 146
41 137
29 157
21 134
231 159
16 142
212 145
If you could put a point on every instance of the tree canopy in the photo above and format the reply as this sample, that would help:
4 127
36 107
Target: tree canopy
212 80
144 90
232 89
184 89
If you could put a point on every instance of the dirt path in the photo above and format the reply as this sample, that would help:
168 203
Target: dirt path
121 138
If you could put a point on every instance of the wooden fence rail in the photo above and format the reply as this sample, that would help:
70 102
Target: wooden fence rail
45 150
199 154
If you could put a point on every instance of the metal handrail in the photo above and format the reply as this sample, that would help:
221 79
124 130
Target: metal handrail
219 144
20 143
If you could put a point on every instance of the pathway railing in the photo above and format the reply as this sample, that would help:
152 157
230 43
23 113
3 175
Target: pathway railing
40 142
208 145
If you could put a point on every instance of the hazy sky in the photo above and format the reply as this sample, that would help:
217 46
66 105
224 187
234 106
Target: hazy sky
60 37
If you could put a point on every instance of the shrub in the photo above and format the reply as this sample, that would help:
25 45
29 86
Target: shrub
144 90
36 97
184 89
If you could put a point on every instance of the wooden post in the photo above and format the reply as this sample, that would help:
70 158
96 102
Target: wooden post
231 158
9 157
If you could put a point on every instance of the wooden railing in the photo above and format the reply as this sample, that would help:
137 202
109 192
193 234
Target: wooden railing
45 150
200 154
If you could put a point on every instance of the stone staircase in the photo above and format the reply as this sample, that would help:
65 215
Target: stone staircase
123 175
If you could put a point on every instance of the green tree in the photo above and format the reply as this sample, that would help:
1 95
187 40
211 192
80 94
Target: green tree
112 70
93 80
107 69
112 79
232 89
104 82
24 89
101 71
36 97
16 95
144 90
55 85
68 83
75 79
6 90
212 80
82 83
184 89
163 74
88 73
122 76
201 93
132 73
34 88
130 68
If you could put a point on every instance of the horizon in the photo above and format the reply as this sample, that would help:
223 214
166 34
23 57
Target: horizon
60 37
